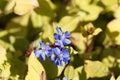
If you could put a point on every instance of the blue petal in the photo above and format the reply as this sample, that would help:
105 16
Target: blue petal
67 34
56 36
58 78
59 30
59 43
37 53
66 58
65 61
59 63
42 56
66 41
56 50
64 78
41 44
47 47
54 59
66 53
49 54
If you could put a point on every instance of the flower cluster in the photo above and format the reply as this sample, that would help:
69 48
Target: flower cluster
64 78
61 54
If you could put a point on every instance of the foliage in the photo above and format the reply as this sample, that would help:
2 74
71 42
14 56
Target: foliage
94 26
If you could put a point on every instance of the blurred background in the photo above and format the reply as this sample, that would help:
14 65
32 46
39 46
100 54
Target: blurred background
95 34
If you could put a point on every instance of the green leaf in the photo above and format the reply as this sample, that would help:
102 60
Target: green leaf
69 23
18 65
2 6
48 33
69 72
107 41
17 44
7 45
80 3
95 69
37 20
3 33
35 69
74 74
18 26
91 12
45 8
89 28
114 31
10 5
97 31
88 11
117 12
118 78
2 54
109 3
4 65
112 78
113 6
60 69
51 69
22 7
81 73
79 41
108 57
5 71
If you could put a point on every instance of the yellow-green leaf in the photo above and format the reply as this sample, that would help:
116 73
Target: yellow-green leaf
7 45
60 69
22 7
35 69
108 57
109 3
18 26
95 69
36 19
112 78
45 9
69 72
69 23
92 12
94 31
5 71
48 33
118 78
113 28
97 31
117 12
79 41
81 73
2 54
10 5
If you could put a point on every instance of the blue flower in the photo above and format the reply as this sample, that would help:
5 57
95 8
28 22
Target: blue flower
61 55
61 38
44 50
64 78
56 52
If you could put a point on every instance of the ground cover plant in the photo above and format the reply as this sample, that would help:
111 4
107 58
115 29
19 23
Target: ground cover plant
59 39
